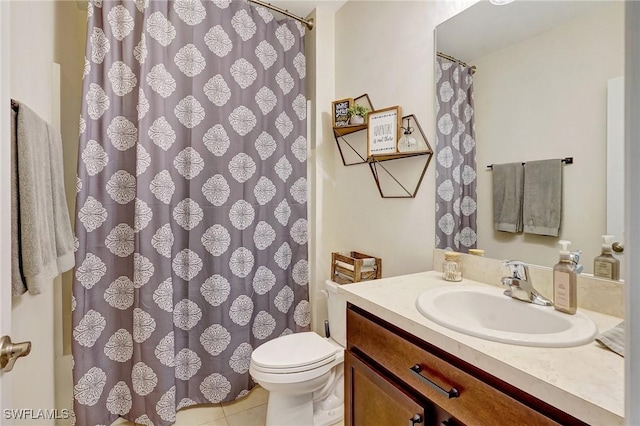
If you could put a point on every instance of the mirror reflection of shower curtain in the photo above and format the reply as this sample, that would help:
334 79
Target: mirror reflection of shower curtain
191 204
456 199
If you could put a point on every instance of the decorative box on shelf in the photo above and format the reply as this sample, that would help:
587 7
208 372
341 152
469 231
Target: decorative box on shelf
355 268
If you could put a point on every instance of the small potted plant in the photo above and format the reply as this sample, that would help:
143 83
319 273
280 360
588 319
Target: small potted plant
357 114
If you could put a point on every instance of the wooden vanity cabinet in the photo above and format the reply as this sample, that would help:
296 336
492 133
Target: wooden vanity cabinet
394 378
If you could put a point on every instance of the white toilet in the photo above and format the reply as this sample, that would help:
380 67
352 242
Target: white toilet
303 372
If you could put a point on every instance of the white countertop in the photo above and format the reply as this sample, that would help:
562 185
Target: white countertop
585 381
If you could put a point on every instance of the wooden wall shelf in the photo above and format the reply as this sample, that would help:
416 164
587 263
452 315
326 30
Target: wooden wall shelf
342 131
357 153
399 155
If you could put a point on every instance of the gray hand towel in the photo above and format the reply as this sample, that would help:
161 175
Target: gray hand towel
18 282
45 246
613 339
507 197
542 207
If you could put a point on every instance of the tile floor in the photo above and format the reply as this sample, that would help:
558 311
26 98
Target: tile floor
248 411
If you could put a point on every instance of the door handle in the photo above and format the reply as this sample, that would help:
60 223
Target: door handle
413 421
10 352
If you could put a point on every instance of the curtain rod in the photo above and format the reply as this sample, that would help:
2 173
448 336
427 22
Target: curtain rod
308 22
566 160
451 58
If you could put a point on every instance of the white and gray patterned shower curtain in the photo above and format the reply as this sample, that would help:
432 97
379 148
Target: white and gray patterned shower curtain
456 198
191 204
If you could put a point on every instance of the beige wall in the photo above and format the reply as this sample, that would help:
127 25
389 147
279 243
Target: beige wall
543 98
70 36
320 89
386 49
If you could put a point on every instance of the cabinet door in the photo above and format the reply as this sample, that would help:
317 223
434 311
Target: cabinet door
370 399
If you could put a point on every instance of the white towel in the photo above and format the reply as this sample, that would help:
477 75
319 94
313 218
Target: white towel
368 265
45 244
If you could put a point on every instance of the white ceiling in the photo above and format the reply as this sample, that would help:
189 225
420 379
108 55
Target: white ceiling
303 8
484 28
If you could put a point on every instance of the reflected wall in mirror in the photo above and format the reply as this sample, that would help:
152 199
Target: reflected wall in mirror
540 92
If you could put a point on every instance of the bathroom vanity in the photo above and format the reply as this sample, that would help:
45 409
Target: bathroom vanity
402 368
435 381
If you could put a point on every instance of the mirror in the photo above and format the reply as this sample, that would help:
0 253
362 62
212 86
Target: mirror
540 92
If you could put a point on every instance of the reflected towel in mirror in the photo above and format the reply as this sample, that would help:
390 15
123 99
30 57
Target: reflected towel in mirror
542 205
507 197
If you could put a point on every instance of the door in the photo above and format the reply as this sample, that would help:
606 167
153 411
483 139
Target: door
5 197
372 400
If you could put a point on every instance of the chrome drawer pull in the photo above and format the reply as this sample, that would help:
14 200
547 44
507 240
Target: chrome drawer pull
452 393
413 421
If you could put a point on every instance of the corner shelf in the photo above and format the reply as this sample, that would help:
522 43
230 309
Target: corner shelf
375 162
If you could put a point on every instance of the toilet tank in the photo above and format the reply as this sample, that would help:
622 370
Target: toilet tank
337 307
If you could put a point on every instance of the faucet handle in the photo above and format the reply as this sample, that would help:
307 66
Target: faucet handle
518 269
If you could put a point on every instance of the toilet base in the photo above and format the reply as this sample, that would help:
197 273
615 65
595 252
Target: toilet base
328 417
323 407
290 410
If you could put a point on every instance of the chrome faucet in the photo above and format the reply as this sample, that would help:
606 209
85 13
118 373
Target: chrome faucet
520 286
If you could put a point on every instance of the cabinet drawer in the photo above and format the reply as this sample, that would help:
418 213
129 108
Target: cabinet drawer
469 399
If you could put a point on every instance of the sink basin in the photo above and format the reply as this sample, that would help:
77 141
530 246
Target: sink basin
483 311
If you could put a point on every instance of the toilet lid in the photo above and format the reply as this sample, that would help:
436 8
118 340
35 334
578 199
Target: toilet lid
293 351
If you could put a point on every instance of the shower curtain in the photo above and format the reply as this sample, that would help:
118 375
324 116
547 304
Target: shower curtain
191 204
456 199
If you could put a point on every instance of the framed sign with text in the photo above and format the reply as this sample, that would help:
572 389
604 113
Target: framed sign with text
340 112
383 131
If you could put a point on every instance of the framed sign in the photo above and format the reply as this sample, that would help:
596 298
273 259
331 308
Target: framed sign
339 109
383 131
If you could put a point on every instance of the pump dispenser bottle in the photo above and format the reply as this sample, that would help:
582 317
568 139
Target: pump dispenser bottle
605 265
565 282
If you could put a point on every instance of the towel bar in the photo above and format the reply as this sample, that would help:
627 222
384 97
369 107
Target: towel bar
566 160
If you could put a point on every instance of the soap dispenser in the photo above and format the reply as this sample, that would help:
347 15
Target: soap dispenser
605 265
565 282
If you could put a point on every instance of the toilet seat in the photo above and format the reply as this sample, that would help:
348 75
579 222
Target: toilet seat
293 354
